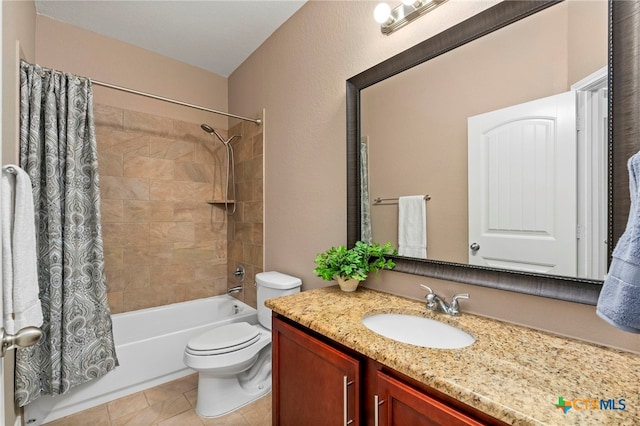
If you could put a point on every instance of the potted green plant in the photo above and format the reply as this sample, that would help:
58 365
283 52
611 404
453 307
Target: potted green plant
350 266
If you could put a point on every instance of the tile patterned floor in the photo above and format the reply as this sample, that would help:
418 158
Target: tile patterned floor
170 404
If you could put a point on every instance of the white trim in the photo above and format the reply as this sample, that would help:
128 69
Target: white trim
592 171
593 81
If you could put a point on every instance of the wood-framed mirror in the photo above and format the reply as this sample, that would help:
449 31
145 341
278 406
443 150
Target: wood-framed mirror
622 141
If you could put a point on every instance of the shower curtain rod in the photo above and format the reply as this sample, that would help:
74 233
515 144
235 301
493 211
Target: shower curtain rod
173 101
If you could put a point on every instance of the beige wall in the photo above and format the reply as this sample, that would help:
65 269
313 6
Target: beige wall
417 125
298 75
85 53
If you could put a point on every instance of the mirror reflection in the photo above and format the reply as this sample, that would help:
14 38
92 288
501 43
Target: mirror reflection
488 136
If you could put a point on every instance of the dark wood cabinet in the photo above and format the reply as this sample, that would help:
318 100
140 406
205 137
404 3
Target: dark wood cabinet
317 381
399 404
313 382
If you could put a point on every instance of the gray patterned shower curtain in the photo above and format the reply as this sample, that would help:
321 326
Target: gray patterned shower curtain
58 151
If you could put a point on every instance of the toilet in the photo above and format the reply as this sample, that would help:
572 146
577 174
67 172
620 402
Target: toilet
234 361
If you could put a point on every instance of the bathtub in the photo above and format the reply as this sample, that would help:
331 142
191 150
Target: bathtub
149 344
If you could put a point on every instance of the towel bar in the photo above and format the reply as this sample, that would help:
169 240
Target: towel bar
393 200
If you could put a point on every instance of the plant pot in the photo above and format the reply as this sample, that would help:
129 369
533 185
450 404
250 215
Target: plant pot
347 285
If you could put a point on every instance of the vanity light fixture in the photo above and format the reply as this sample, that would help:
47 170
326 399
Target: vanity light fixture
391 20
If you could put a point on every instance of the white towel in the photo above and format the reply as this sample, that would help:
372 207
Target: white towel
22 306
412 226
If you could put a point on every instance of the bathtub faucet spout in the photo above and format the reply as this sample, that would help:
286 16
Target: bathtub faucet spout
234 290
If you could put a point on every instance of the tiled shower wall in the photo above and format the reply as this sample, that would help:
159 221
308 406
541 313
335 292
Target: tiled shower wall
245 246
163 242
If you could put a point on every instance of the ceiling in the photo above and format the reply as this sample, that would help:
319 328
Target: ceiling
215 35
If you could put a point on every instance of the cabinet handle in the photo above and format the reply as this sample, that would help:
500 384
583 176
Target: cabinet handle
376 411
345 384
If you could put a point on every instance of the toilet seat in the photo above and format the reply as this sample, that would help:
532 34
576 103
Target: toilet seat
225 339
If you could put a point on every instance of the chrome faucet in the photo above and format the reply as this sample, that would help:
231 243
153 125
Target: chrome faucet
437 303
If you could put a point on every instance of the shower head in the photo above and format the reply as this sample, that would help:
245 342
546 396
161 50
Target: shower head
207 128
213 131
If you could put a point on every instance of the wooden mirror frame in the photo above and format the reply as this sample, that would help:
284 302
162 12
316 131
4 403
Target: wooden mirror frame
624 129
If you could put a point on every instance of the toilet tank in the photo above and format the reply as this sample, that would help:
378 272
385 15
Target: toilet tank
270 285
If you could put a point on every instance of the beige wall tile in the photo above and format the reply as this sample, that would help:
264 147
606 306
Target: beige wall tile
106 116
148 124
209 270
253 211
171 149
179 191
171 232
110 164
187 211
235 250
244 191
243 231
252 254
123 188
190 132
125 234
170 274
150 168
163 242
113 257
257 145
258 190
242 149
115 279
199 252
111 210
147 211
116 302
121 142
199 289
253 170
194 172
210 152
153 254
209 232
147 167
138 277
258 234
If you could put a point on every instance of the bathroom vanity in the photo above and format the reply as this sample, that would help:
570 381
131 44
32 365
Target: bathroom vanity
330 369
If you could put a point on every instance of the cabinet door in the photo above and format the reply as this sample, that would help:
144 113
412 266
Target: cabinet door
313 383
400 404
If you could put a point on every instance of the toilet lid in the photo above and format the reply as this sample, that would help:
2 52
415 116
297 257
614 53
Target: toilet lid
226 338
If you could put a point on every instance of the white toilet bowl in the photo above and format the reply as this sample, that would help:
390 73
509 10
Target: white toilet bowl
230 375
234 361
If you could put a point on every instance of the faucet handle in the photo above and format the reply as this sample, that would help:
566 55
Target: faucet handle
426 287
454 308
431 303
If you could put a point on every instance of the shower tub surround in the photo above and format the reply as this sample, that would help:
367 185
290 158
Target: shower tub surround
163 243
150 344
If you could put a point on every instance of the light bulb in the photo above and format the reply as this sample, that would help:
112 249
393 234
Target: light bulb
381 13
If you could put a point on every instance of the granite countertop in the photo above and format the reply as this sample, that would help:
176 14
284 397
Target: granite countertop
512 373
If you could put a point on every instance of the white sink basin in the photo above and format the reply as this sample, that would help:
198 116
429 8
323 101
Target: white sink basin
418 331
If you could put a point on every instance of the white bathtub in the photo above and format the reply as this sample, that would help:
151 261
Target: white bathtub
149 344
